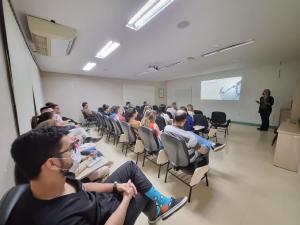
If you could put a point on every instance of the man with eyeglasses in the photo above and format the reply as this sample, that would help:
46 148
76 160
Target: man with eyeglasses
45 156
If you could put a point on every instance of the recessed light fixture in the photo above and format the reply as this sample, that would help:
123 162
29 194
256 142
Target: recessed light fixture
107 49
147 12
229 47
89 66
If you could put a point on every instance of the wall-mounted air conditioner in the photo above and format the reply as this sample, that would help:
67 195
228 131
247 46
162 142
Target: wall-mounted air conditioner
50 38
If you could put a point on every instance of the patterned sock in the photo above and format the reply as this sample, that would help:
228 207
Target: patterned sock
162 202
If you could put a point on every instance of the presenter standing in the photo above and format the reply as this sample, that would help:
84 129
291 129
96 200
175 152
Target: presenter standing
265 109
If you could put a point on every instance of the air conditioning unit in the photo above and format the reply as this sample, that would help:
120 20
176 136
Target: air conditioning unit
50 38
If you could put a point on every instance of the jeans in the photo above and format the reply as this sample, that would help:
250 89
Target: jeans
140 203
91 150
202 141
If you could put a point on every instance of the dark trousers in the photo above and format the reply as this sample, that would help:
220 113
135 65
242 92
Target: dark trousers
140 203
265 115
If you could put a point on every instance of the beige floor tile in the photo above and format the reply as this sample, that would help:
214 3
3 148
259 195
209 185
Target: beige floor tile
244 187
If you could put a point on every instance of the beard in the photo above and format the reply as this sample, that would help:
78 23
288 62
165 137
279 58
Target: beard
65 167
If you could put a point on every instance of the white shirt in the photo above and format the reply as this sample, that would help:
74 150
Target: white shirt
166 117
190 139
172 111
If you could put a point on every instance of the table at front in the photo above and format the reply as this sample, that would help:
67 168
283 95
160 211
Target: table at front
287 147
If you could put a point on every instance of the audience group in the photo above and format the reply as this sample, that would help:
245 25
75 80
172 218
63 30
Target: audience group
57 149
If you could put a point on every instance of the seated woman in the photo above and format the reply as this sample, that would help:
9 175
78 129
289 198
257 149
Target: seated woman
149 121
120 114
162 111
130 117
114 112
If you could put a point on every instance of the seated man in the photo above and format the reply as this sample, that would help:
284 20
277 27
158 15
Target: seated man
45 156
189 120
192 140
172 109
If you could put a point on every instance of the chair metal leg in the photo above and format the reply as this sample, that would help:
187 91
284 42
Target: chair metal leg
190 194
118 138
167 172
115 139
206 179
126 149
159 168
137 158
145 154
123 146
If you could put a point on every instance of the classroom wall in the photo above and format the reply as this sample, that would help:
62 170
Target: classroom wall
254 81
7 128
69 91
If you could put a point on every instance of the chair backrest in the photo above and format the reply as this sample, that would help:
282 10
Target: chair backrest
9 201
108 123
198 112
218 117
100 120
116 126
201 120
148 139
161 123
176 150
128 131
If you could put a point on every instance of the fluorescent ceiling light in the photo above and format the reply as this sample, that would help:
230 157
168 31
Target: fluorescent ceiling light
147 12
107 49
89 66
229 47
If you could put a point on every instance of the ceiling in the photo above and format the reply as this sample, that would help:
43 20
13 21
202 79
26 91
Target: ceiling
274 24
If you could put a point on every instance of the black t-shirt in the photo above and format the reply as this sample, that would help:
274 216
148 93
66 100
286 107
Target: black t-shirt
80 208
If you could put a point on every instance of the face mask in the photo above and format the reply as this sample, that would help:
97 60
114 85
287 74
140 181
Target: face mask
76 156
70 167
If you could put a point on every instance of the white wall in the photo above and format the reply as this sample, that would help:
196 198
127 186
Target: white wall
254 81
7 128
25 73
69 91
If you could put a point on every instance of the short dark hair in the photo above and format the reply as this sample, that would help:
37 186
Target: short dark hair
155 108
183 108
52 106
84 104
32 149
35 120
43 108
115 109
129 113
180 115
162 108
268 92
49 103
105 107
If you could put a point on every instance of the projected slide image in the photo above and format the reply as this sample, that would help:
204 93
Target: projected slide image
221 89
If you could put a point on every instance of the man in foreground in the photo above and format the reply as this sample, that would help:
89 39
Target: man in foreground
45 156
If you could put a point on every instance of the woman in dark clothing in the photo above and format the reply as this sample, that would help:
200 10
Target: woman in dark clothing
265 109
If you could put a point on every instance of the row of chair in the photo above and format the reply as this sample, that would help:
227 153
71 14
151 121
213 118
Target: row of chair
175 155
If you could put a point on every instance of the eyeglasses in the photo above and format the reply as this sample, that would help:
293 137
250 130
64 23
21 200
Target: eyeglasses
70 149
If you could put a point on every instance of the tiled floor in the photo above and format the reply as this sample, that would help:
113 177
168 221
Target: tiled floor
244 187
